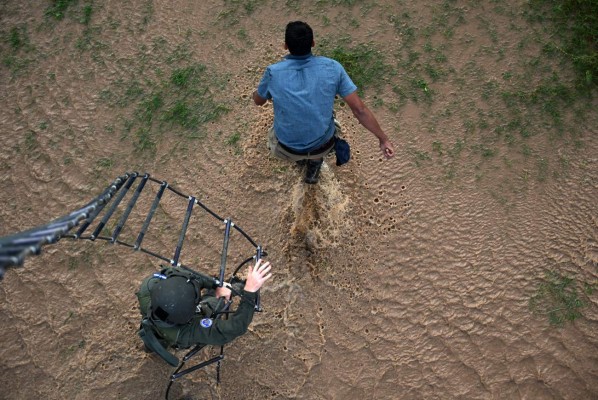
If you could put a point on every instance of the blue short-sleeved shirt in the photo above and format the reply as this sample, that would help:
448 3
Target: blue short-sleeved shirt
303 90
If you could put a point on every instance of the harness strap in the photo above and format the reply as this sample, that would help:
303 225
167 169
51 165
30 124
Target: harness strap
146 333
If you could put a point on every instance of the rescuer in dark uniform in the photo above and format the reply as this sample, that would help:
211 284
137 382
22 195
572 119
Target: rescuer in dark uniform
176 312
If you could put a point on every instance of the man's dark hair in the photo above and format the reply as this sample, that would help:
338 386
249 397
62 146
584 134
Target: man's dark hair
299 37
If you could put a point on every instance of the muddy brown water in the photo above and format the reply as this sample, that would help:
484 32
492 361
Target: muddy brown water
391 280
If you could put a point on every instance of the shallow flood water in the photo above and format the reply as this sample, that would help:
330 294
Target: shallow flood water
402 279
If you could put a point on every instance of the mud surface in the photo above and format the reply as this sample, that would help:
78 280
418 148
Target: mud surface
401 279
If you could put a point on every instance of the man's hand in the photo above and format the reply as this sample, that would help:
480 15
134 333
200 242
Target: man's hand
257 275
223 292
258 100
387 150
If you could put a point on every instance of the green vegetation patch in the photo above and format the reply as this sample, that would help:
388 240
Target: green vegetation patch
234 141
557 298
234 10
58 8
531 111
185 77
180 102
574 32
81 12
337 2
16 49
86 14
364 63
18 38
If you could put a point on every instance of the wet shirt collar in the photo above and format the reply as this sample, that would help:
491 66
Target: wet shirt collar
303 57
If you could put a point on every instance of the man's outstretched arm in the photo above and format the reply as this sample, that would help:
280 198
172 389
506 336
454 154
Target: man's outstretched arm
259 100
368 120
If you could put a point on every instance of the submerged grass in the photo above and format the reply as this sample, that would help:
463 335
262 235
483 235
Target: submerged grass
58 8
364 63
16 49
233 141
235 10
557 298
533 114
180 100
573 25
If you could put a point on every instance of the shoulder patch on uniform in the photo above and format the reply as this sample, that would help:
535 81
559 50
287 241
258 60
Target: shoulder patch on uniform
157 275
206 322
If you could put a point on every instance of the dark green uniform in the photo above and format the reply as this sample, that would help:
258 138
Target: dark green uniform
200 329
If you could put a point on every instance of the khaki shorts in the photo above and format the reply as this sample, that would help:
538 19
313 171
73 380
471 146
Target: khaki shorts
279 152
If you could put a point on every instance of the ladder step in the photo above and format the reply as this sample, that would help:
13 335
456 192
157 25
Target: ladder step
113 206
125 216
149 217
97 205
179 246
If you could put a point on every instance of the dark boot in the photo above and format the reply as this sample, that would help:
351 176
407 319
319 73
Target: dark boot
312 172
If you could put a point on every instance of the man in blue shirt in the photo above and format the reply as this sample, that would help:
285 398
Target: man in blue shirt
303 88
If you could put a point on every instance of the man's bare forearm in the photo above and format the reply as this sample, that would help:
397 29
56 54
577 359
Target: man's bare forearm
369 122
